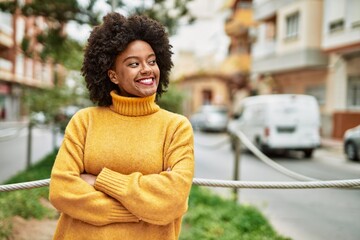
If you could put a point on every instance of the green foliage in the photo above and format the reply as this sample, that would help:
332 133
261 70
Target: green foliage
52 101
26 203
55 10
47 101
62 11
170 13
72 58
5 226
211 217
8 6
172 100
25 46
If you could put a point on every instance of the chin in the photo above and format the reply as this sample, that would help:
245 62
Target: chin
148 93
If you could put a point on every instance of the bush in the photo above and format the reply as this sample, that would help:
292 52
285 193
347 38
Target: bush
172 100
211 217
26 203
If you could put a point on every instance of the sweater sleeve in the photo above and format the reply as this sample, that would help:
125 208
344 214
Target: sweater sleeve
73 196
156 198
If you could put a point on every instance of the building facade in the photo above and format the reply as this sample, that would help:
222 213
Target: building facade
19 70
310 47
204 89
341 42
237 65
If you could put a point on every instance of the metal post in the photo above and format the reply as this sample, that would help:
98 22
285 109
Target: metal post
236 175
54 135
29 144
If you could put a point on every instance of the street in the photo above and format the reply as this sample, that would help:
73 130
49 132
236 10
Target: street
315 214
13 148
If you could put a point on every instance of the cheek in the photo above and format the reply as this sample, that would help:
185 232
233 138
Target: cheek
127 75
157 72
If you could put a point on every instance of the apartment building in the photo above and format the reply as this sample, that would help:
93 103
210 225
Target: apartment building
237 65
341 42
311 47
17 69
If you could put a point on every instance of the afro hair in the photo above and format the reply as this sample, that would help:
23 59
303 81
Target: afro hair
109 39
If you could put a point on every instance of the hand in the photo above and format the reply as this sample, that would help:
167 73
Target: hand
89 178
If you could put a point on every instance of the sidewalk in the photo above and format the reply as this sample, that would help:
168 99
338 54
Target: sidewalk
333 151
333 145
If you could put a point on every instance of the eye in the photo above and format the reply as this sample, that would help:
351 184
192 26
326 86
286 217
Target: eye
133 65
152 62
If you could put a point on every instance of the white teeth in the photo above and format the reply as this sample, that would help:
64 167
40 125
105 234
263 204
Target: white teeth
146 81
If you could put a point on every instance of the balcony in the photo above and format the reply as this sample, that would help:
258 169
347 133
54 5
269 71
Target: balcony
5 65
6 30
341 39
5 41
239 23
5 70
263 49
296 60
264 9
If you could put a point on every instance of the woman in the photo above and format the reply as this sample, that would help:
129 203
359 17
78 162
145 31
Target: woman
125 168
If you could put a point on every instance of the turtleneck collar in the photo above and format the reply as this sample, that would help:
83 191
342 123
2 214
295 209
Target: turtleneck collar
132 106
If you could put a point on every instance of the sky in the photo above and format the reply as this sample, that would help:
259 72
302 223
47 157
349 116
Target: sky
205 36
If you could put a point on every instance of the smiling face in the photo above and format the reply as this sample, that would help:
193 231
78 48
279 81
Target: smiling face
136 71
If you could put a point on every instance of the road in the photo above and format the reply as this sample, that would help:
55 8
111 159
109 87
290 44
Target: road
315 214
13 148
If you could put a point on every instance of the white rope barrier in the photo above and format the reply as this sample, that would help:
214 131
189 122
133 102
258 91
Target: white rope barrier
277 185
349 183
24 185
269 161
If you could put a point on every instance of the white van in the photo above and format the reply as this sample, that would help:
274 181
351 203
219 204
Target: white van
280 122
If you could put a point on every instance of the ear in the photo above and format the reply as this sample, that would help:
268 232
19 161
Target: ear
113 77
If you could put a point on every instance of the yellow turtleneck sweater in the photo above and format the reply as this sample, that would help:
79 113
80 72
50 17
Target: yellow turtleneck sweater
144 161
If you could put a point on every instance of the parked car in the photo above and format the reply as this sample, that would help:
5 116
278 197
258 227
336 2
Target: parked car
352 143
280 122
210 118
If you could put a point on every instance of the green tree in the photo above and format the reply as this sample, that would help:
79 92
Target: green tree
170 13
172 100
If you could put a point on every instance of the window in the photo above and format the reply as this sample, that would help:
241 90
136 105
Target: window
292 25
336 26
353 94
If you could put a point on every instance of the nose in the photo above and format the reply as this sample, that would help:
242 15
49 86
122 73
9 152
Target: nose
145 69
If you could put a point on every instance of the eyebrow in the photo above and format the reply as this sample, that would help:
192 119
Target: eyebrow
129 57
